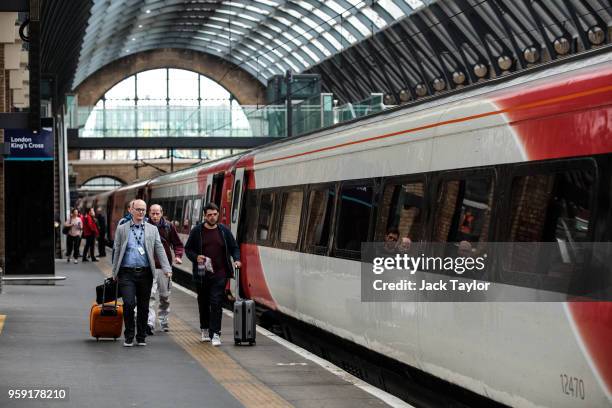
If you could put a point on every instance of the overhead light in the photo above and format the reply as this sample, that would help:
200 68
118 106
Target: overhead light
420 89
562 45
480 70
133 38
127 50
439 84
148 11
531 54
139 25
458 77
389 99
596 35
504 62
404 95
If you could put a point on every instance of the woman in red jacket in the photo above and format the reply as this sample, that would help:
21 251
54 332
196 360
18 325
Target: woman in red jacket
90 233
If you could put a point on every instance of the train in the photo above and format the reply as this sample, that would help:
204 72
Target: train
527 157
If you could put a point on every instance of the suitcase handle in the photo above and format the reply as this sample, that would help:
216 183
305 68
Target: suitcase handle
104 291
237 277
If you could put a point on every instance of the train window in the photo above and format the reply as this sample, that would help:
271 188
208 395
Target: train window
178 213
354 219
250 212
196 212
402 209
551 207
266 215
320 208
235 201
463 210
291 215
169 209
186 218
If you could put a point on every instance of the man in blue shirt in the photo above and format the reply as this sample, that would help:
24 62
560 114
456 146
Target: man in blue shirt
135 247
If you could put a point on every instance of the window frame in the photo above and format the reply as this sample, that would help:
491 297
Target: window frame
529 280
318 249
406 179
464 174
269 242
283 196
369 182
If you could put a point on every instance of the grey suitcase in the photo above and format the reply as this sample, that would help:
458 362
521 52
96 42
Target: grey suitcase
244 317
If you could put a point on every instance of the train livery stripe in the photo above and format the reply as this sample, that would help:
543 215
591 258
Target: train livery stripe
507 110
572 129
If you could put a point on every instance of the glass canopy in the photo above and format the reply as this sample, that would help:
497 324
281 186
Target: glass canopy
263 37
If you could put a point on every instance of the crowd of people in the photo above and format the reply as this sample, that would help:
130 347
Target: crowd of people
144 249
90 226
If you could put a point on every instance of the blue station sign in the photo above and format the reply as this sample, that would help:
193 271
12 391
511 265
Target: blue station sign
28 145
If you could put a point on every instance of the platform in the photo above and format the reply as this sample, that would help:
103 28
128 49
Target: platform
45 342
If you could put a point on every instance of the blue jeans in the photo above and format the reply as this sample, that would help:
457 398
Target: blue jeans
135 289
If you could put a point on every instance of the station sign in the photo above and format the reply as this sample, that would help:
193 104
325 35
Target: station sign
26 145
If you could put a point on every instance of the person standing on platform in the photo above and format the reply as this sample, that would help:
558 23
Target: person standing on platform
209 248
102 228
162 282
73 238
90 233
137 244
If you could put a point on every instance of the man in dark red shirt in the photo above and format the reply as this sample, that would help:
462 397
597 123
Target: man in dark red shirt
211 248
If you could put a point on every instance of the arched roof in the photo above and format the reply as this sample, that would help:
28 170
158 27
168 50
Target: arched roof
263 37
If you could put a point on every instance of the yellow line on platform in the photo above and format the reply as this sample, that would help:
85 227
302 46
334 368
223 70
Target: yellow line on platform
2 319
247 389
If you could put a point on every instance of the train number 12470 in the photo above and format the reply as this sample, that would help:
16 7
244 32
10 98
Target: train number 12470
572 386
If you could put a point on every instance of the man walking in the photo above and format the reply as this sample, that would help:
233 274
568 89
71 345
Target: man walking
209 248
137 243
163 282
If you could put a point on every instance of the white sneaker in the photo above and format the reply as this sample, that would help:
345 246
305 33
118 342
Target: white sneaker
216 340
205 335
76 261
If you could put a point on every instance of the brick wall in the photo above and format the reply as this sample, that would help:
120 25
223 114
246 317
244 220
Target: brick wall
529 202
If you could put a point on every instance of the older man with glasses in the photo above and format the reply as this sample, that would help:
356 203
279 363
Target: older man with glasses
136 246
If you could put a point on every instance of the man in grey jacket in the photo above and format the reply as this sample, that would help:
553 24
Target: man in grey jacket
136 245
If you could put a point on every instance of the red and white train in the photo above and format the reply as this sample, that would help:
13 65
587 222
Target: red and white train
529 158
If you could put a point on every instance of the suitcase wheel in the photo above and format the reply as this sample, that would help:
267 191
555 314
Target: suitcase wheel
236 342
97 338
115 338
252 343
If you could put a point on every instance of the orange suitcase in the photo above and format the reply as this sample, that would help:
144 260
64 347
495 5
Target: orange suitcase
106 320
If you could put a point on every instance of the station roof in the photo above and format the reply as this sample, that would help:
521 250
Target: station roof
264 37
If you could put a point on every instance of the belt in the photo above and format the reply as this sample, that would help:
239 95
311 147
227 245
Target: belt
138 269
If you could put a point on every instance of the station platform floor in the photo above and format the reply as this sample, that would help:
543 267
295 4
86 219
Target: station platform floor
45 342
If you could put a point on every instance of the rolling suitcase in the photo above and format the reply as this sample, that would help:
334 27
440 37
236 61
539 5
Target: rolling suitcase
106 320
244 317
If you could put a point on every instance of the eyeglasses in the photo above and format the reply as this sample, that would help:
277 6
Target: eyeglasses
140 209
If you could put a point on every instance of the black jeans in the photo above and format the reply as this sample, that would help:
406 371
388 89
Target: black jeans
211 292
101 246
72 245
90 243
135 288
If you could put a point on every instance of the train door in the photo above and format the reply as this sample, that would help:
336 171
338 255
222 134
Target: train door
237 199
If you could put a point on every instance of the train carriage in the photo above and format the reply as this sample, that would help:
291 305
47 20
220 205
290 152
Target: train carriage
518 158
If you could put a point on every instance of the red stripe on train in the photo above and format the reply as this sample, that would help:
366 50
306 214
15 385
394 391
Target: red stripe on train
574 127
253 280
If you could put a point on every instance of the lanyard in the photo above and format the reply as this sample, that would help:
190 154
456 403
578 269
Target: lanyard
138 238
